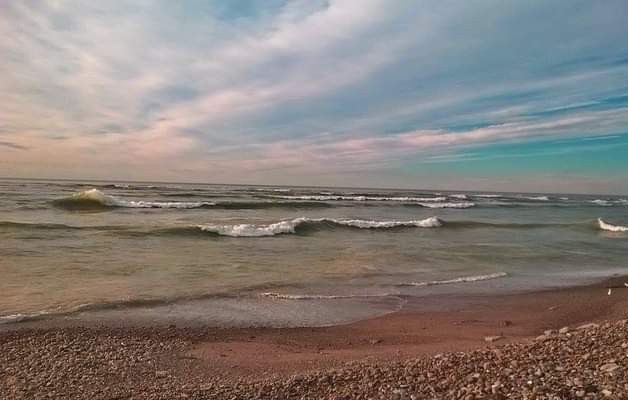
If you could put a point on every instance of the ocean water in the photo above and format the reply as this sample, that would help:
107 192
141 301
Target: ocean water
252 255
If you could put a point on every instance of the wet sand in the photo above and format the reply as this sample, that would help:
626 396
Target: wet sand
178 361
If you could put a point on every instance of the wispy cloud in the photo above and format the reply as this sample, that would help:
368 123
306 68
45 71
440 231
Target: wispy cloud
299 91
12 145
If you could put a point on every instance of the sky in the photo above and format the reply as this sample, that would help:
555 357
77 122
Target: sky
480 95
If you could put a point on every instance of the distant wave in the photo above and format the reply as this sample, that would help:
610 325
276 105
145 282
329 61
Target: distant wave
464 279
361 198
251 205
463 204
459 196
538 198
290 226
281 190
488 196
610 227
95 199
610 203
122 186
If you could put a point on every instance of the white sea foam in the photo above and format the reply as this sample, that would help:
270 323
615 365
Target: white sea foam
459 196
463 279
250 230
609 203
9 319
167 204
462 204
321 296
330 197
539 198
95 196
610 227
488 196
280 190
601 202
289 226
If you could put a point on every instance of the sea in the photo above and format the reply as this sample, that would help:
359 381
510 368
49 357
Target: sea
244 255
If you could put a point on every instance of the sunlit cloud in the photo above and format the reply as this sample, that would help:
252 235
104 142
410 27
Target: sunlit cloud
308 92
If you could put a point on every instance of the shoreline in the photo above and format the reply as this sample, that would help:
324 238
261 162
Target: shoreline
156 314
195 356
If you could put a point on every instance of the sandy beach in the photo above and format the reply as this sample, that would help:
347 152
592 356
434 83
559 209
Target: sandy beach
527 345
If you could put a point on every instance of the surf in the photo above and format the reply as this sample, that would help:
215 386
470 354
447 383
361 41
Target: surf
94 199
291 226
605 226
464 279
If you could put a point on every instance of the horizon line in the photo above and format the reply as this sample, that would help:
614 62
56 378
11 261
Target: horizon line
303 186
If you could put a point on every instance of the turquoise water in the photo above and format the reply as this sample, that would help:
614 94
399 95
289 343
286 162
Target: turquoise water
293 255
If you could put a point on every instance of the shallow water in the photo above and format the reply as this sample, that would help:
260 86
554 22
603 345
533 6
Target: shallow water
73 247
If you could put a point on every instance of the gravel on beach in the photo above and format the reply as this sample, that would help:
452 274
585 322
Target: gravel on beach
589 362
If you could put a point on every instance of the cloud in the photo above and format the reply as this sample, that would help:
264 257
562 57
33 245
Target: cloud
12 145
251 90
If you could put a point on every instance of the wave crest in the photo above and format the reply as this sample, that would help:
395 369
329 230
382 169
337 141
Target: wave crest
290 226
605 226
95 199
332 197
462 204
538 198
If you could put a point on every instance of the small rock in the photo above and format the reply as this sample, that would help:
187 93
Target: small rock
491 339
548 332
588 326
609 367
161 374
563 330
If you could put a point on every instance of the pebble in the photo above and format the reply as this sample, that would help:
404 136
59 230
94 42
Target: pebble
610 367
83 364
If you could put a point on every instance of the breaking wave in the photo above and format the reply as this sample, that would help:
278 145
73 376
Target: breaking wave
464 279
95 199
296 225
291 226
462 204
331 197
610 227
610 203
